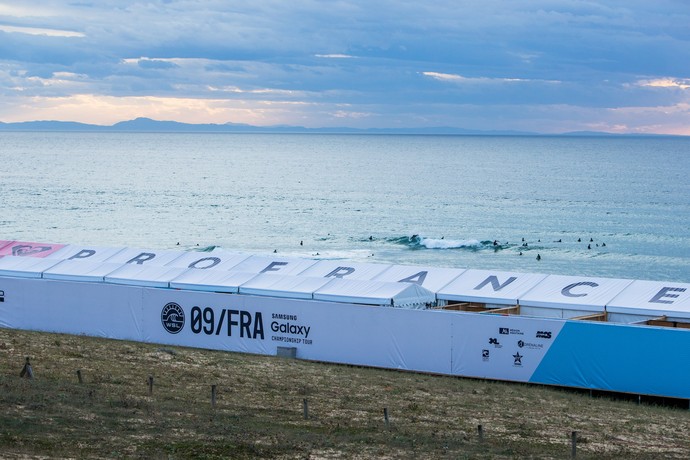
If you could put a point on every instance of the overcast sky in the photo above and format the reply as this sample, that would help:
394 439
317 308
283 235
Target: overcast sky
537 65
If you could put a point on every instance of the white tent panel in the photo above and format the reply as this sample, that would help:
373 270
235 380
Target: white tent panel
653 298
80 270
275 285
375 293
268 264
144 275
431 278
137 256
25 267
344 269
574 292
489 286
217 260
211 280
91 253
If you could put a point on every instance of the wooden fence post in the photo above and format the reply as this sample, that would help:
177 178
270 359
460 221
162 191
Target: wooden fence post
27 371
573 440
150 384
213 396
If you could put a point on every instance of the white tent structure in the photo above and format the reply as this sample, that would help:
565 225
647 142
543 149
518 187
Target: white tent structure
273 264
227 282
379 293
489 287
344 269
286 286
144 275
217 260
80 270
575 331
431 278
649 300
25 267
559 296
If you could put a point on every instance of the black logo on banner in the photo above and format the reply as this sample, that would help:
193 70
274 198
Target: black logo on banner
543 334
172 317
28 250
2 296
517 357
503 330
493 341
485 355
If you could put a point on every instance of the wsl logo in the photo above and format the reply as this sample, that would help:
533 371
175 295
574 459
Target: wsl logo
172 317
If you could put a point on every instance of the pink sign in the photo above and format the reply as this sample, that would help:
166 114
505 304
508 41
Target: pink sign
24 248
4 243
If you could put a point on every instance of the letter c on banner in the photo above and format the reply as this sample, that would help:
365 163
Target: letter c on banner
566 290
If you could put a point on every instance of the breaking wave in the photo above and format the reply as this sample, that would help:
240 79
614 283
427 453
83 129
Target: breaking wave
422 242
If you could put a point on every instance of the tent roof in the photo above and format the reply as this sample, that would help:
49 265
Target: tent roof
431 278
137 256
653 298
344 269
574 292
144 275
24 267
374 293
216 260
32 249
92 253
489 286
274 264
211 280
80 270
276 285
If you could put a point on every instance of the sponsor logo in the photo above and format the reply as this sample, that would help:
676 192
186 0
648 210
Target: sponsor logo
508 331
517 359
289 330
522 344
543 334
494 341
485 355
2 296
29 250
172 317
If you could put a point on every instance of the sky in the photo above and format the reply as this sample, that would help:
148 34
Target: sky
547 66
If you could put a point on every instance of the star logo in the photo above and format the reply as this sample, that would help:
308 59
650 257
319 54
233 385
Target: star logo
518 359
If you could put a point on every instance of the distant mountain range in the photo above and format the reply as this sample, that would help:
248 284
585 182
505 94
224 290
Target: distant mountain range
155 126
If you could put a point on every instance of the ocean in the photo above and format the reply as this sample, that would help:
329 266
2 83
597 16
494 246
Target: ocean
615 207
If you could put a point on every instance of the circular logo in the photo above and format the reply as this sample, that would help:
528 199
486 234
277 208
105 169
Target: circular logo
172 317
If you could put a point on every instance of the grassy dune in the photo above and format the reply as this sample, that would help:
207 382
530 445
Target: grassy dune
259 409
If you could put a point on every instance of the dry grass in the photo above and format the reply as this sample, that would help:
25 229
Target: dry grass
259 409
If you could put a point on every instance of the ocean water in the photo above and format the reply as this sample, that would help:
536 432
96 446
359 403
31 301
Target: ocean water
595 206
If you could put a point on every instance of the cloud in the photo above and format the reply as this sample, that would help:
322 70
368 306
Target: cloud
383 63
